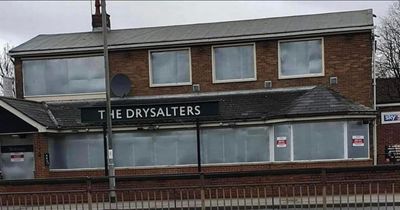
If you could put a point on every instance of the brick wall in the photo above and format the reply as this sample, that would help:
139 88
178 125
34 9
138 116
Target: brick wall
19 89
365 174
347 57
388 134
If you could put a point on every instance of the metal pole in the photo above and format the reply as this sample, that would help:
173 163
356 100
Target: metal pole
105 148
111 169
323 176
198 147
202 193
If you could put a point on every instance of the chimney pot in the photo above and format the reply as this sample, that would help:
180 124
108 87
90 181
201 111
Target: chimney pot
97 20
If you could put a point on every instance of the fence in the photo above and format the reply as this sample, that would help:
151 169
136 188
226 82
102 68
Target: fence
319 194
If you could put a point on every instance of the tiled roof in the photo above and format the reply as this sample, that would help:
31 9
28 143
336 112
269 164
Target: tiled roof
200 33
35 110
257 105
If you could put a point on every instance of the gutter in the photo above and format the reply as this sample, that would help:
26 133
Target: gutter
388 105
215 123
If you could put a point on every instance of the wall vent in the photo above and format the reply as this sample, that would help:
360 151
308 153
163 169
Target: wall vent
268 84
196 88
333 80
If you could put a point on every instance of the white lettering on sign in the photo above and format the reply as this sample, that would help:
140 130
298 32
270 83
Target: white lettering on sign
174 108
130 113
390 117
102 113
175 111
197 108
119 114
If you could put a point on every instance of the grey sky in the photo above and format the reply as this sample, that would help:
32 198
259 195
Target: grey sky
23 20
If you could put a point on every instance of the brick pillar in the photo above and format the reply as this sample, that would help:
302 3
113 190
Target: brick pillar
40 147
18 78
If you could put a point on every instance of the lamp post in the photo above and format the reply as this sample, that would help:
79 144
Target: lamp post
110 155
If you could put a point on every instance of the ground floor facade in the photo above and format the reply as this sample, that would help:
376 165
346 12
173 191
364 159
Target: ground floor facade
230 132
263 146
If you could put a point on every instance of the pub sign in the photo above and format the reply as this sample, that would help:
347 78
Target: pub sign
151 111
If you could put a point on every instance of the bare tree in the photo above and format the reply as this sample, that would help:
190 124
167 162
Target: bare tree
6 68
388 49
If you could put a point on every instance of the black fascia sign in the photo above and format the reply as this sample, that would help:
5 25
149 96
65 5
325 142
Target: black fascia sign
152 111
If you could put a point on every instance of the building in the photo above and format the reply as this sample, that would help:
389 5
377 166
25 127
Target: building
388 98
288 92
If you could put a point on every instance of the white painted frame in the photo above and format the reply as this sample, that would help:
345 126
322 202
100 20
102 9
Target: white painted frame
346 140
215 81
280 76
151 84
60 97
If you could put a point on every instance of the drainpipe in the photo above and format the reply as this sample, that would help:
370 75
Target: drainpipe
375 137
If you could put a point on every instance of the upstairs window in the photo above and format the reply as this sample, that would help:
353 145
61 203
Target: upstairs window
170 67
302 58
234 63
63 76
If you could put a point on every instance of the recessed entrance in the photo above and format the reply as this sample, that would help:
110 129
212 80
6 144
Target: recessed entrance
16 157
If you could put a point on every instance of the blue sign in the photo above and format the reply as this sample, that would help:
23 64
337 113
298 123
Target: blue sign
390 117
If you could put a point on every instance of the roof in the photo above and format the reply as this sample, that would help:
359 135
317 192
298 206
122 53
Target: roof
241 106
199 33
387 90
35 110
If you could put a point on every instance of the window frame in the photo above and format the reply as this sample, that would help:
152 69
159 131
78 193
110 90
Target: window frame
63 96
322 74
214 79
151 84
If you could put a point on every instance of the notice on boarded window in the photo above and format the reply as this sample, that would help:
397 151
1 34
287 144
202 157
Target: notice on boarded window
358 141
17 157
281 141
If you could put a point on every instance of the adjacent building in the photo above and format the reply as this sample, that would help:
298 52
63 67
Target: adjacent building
388 107
287 92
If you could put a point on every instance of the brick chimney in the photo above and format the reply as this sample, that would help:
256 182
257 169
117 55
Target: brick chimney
96 18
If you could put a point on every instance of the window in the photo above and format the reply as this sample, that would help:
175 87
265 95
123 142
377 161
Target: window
302 58
300 141
235 145
321 141
358 144
283 142
234 63
63 76
171 67
155 148
318 141
76 151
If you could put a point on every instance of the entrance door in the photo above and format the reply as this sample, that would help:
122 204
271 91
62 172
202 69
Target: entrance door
16 158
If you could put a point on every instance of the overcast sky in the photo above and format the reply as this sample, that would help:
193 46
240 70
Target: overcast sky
23 20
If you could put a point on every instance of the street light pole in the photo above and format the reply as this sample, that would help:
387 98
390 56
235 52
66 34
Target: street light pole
111 168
